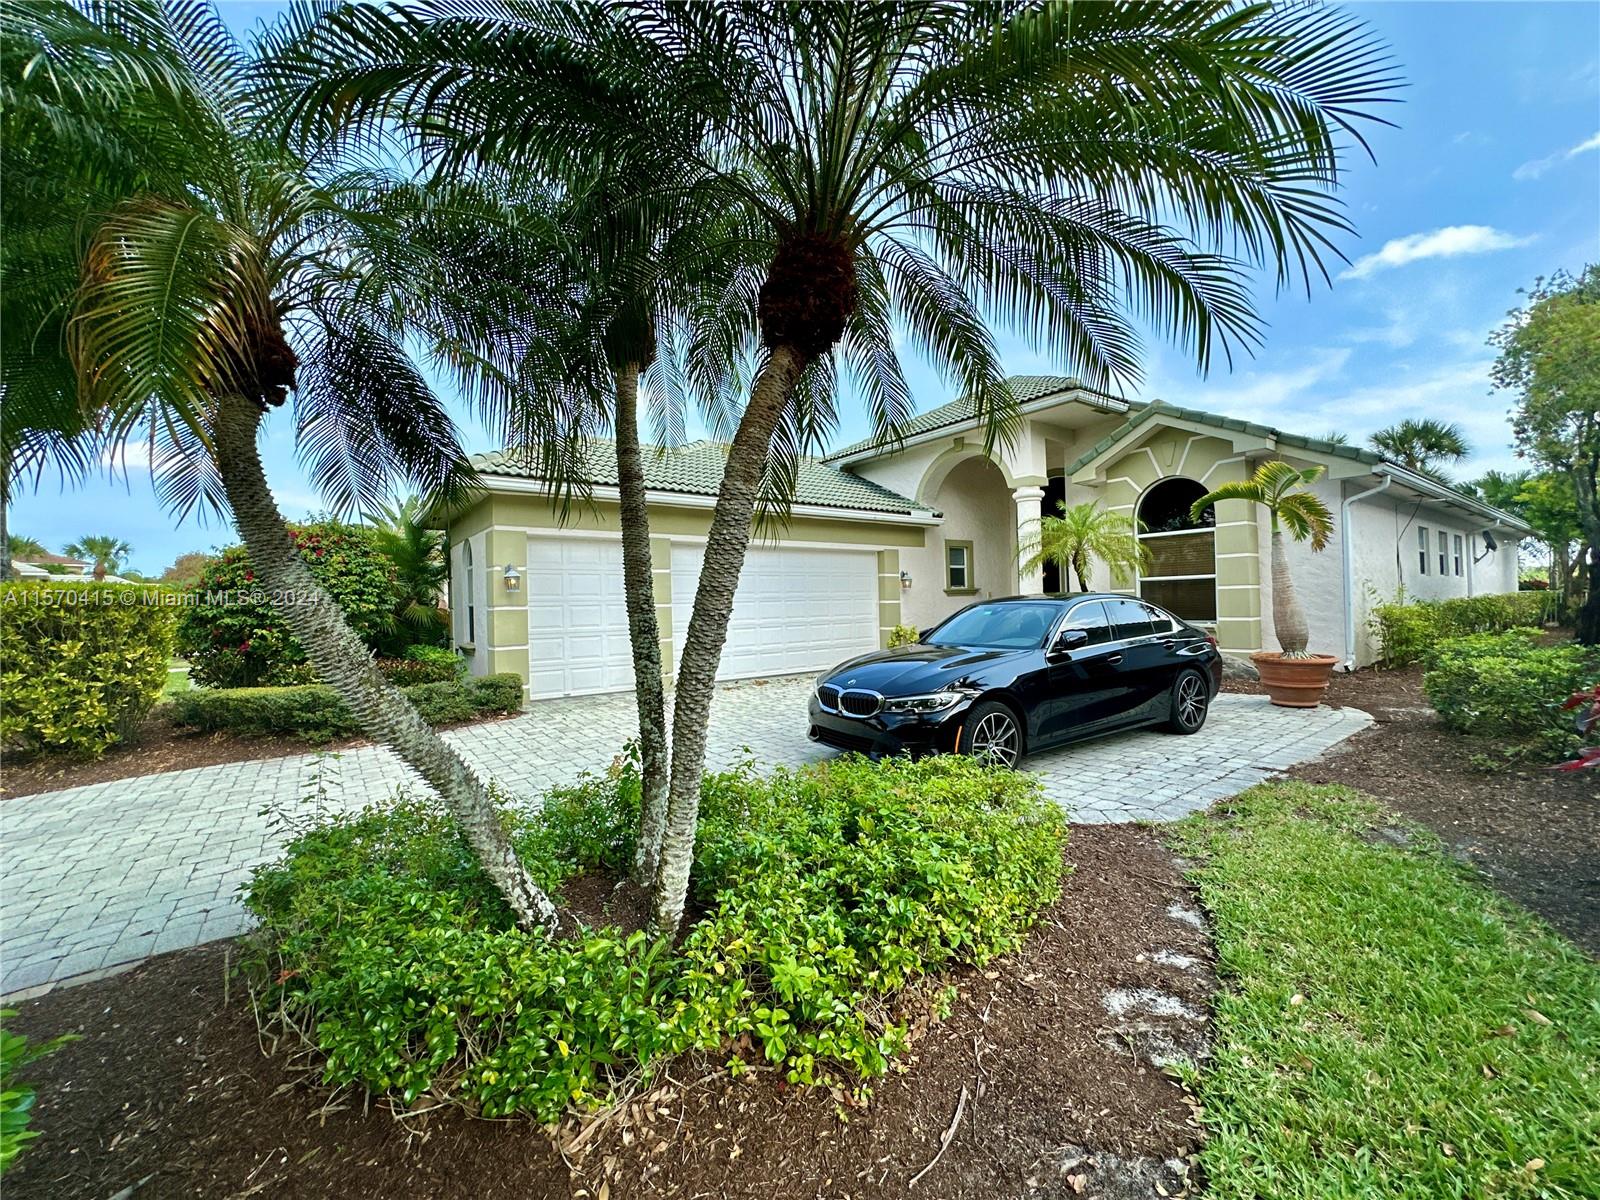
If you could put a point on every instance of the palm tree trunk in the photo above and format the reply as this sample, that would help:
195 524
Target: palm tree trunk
5 535
643 631
344 662
726 544
1081 568
1288 618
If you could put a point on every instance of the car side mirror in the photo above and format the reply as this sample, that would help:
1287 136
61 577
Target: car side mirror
1068 641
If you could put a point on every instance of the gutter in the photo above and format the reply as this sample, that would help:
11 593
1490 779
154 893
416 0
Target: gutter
1350 570
1438 491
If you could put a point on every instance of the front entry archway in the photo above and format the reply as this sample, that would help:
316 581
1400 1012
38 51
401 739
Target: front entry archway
1182 574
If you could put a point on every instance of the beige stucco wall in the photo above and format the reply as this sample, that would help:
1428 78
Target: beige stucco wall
497 526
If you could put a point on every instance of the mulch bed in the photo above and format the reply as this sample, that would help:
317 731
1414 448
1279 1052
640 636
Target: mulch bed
1533 832
158 745
169 1092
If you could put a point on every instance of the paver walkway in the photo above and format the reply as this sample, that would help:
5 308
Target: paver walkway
100 876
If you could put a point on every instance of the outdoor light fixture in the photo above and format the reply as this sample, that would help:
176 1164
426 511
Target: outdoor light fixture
513 578
905 579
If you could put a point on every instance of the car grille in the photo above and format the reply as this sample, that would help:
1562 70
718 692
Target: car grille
845 741
857 703
828 697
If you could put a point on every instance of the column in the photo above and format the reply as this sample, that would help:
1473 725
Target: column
1030 504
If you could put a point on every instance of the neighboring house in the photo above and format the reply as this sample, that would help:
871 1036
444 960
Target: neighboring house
38 563
911 531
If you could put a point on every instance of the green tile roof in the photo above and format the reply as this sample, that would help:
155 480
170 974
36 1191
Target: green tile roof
696 470
1025 388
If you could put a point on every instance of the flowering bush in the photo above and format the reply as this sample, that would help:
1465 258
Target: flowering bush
233 636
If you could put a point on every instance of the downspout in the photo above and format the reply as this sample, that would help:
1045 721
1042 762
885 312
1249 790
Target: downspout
1350 570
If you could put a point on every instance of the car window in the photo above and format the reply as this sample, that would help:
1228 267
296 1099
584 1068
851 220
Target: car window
997 626
1129 619
1092 619
1160 622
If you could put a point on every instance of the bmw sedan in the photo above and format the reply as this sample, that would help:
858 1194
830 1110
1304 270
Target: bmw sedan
1003 678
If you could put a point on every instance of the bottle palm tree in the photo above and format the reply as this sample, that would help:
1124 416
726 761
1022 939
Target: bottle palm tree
216 276
1083 533
1281 490
928 164
1422 445
103 550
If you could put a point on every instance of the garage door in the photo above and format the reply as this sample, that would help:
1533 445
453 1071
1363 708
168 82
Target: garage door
796 609
577 618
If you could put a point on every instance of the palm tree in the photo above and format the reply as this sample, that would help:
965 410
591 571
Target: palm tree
215 276
1422 445
932 164
1280 489
25 547
1083 533
101 549
421 571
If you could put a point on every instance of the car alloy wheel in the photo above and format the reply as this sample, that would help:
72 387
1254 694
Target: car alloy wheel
996 737
1191 701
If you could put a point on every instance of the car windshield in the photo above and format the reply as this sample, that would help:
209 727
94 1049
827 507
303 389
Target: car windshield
997 627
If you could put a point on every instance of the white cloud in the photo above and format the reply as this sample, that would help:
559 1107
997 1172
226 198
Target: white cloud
1538 166
1449 242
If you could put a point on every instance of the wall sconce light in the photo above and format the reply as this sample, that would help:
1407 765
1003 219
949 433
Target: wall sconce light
905 580
513 579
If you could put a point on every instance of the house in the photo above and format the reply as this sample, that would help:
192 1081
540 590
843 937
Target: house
908 532
34 566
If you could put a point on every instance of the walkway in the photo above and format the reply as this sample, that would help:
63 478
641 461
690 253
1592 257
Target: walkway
93 878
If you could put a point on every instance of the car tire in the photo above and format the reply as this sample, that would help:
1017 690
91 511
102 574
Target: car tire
1190 703
993 730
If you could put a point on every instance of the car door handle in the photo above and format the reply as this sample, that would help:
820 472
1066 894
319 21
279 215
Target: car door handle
1112 659
1168 643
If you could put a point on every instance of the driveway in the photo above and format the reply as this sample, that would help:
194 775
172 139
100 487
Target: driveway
98 877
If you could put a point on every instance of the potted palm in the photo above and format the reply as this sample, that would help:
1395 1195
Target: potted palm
1081 534
1293 677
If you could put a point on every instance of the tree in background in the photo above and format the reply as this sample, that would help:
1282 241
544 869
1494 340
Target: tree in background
101 549
25 547
1424 445
421 572
1550 356
1544 500
187 569
1080 535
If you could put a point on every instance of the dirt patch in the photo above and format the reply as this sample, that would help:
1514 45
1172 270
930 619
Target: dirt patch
157 746
1535 833
169 1091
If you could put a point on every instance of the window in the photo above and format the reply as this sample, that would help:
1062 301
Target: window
1182 565
1129 619
1159 621
1092 619
958 567
1008 626
1422 548
1444 553
1458 554
472 609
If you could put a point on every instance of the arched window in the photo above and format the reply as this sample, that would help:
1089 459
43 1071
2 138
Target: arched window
1182 575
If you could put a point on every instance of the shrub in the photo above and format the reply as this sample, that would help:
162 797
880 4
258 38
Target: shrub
80 663
17 1098
423 664
1508 686
314 712
1406 631
823 891
240 641
904 635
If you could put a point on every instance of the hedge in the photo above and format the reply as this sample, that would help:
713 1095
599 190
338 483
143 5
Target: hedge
819 895
82 663
1407 631
314 711
1509 687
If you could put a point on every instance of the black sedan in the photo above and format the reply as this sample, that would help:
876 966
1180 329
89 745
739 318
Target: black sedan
1003 678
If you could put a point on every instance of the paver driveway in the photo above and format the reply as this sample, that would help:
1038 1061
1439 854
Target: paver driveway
99 876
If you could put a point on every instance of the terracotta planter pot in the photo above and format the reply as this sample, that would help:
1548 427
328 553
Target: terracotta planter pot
1294 682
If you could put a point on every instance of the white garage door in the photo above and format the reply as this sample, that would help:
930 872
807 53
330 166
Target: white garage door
577 618
796 609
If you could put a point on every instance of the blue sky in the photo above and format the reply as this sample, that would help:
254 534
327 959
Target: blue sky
1491 179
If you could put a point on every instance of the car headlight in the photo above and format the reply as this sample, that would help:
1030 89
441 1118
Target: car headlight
937 702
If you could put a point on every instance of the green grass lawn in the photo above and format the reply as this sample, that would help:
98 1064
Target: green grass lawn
1388 1027
177 677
